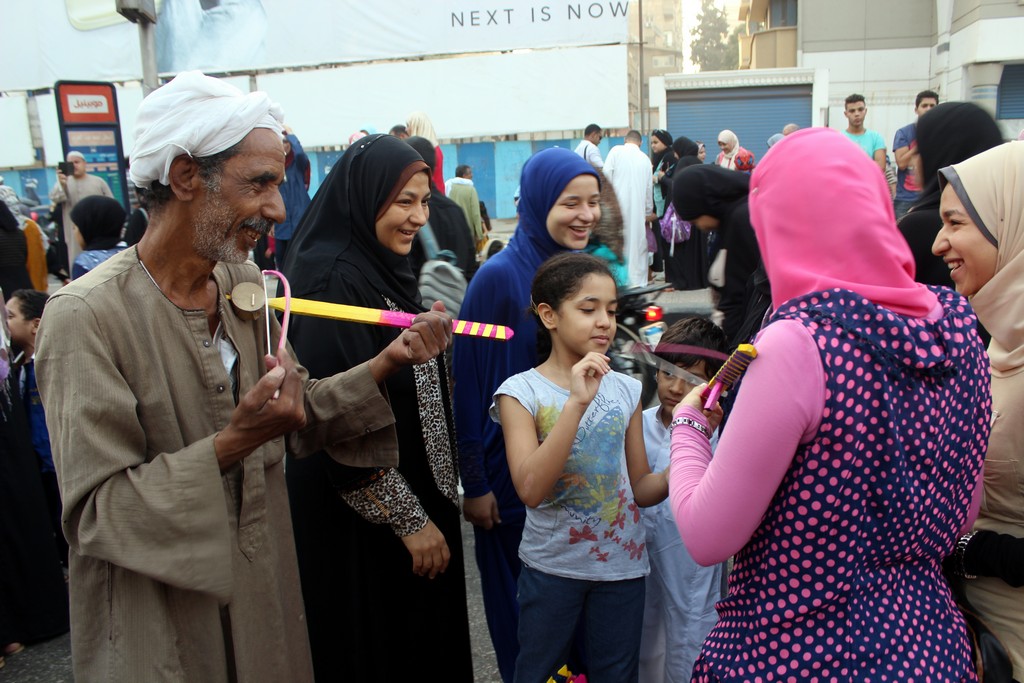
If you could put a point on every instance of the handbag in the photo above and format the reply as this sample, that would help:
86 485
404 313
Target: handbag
652 242
991 661
674 229
440 279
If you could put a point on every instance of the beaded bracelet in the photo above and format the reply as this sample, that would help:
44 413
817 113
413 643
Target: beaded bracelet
958 556
690 423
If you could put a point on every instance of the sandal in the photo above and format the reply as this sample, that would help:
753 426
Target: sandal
12 649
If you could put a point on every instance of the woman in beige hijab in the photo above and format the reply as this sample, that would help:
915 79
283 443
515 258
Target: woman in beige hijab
982 242
732 156
419 125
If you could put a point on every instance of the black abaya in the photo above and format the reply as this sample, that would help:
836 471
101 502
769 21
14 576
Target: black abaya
33 595
370 618
13 252
687 267
706 190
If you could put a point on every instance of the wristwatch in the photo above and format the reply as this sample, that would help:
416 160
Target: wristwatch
958 556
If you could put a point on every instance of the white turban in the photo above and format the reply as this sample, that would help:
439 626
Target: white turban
196 115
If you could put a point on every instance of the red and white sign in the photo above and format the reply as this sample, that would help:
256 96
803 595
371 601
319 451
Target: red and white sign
87 103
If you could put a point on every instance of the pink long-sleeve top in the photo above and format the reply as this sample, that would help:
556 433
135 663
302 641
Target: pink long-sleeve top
719 503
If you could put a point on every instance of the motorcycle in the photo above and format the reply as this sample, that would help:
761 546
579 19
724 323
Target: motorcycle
32 207
639 321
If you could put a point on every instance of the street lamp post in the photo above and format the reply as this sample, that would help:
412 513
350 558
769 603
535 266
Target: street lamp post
143 13
643 107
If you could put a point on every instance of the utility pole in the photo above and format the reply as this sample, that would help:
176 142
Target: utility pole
643 105
143 13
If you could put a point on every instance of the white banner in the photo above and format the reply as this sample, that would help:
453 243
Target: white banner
477 95
87 40
17 148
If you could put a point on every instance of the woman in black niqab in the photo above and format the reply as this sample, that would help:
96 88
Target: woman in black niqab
354 526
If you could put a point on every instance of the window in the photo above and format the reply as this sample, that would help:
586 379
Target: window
781 13
1010 100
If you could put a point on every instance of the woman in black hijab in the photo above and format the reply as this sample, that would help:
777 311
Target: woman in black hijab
687 267
98 223
662 159
947 134
380 549
13 253
715 198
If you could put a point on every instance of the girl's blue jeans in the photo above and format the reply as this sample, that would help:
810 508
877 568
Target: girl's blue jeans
609 612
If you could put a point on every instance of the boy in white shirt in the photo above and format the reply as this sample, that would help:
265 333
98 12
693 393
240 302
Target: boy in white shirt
679 610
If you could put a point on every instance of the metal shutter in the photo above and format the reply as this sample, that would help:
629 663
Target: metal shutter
753 113
1010 101
480 155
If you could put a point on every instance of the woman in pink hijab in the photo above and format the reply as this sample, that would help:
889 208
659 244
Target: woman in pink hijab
853 451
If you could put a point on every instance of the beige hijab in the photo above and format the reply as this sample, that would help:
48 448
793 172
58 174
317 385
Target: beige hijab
419 125
990 186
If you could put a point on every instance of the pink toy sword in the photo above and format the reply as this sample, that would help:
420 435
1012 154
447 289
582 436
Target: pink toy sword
373 316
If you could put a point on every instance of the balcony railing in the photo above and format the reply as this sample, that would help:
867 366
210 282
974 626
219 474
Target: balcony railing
769 49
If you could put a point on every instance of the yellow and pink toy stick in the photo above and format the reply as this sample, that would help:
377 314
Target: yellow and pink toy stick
374 316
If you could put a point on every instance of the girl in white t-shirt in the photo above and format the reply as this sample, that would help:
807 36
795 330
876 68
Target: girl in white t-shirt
575 448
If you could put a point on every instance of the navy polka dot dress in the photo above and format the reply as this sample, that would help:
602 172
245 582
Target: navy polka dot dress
843 581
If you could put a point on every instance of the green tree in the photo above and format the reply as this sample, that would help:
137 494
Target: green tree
712 48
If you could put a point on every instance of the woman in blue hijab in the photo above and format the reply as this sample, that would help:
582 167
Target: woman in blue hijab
558 208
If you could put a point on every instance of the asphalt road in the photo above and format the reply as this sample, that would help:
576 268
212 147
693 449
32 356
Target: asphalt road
50 661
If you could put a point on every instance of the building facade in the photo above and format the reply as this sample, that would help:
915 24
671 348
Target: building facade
801 59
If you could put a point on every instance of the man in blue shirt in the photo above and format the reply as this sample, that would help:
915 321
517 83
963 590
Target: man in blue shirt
904 145
294 192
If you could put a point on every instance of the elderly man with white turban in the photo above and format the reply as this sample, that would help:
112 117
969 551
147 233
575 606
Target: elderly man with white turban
169 423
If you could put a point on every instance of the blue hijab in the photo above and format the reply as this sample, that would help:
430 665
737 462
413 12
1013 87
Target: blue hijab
500 293
544 177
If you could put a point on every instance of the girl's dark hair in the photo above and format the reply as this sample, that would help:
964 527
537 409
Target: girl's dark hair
693 331
558 279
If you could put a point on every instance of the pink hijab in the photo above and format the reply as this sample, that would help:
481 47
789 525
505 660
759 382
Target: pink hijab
823 216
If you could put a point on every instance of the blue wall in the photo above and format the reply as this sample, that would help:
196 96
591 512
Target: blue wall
496 169
46 177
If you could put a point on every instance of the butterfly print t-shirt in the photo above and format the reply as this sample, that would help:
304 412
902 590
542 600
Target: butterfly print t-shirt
589 526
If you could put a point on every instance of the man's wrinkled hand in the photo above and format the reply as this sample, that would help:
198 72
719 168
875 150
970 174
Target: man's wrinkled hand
275 406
